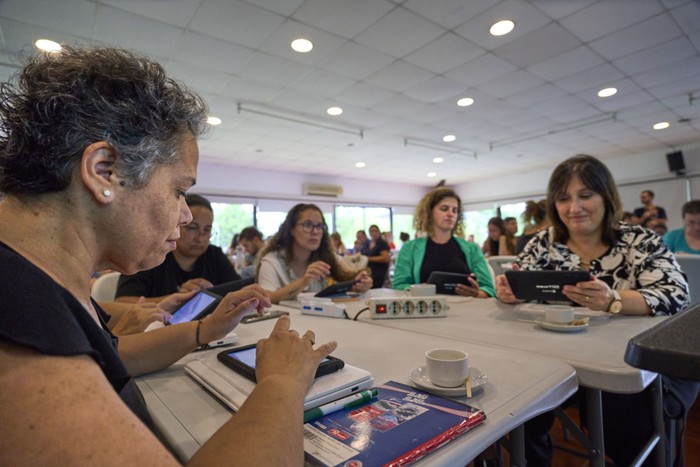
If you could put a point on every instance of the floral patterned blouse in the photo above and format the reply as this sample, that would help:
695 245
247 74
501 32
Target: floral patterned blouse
638 260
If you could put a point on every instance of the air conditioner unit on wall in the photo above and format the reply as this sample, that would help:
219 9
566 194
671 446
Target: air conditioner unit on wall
322 189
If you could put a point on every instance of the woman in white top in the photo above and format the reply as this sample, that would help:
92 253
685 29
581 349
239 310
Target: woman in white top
299 258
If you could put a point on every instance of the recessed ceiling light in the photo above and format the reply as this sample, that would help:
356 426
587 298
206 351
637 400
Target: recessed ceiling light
502 27
47 45
211 120
661 125
360 165
438 160
302 45
432 174
334 111
607 92
465 102
449 138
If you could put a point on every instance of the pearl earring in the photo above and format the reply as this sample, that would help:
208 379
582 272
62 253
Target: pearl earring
106 192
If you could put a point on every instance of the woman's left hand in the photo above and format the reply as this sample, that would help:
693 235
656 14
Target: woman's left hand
594 294
364 284
471 290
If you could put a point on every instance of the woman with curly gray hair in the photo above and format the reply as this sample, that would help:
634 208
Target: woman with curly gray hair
97 150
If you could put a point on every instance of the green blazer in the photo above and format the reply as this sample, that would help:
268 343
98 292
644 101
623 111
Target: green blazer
410 260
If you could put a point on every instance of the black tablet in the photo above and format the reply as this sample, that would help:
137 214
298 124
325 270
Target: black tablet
445 282
242 360
226 287
544 286
339 288
199 306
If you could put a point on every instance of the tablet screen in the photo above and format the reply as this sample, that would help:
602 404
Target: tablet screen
247 356
192 308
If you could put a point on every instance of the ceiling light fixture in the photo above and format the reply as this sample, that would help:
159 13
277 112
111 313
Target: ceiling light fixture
661 125
360 165
584 122
501 28
211 120
302 45
451 149
438 160
46 45
449 138
607 92
465 102
272 112
334 111
432 174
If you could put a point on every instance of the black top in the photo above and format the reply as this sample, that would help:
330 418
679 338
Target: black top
378 269
166 278
448 257
522 241
37 312
660 214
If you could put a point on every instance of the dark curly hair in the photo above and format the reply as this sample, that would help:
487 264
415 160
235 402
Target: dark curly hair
63 102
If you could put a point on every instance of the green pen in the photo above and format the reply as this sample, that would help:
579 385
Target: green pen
349 402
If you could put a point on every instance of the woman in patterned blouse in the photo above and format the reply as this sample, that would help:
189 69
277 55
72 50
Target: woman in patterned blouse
630 265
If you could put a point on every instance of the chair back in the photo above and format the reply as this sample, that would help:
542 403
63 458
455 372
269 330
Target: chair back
690 264
501 264
104 289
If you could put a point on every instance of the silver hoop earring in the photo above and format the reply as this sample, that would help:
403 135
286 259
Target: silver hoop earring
107 192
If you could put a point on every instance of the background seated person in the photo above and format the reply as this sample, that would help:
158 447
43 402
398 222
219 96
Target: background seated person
633 273
299 258
377 257
361 243
500 242
193 265
535 219
439 215
338 245
687 238
111 194
252 240
648 212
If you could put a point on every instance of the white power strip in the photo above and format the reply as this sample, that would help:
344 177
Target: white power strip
407 307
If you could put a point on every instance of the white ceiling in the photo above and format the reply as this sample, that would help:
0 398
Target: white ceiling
397 69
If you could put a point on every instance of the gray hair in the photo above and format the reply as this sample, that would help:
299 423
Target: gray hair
63 102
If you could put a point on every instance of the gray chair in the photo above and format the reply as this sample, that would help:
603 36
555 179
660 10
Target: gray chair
690 264
104 289
501 264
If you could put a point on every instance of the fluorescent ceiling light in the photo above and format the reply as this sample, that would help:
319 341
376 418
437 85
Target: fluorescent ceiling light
449 138
432 174
661 125
502 27
607 92
360 165
47 45
334 111
211 120
438 160
465 102
302 45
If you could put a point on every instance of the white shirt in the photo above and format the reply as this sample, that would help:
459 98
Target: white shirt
275 273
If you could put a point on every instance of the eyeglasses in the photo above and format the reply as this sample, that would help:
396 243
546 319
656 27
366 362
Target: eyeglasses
194 230
309 226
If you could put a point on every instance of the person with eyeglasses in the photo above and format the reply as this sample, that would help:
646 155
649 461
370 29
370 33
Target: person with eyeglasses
687 238
299 258
195 264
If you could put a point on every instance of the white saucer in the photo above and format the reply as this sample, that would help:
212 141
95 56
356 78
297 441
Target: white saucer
419 376
558 327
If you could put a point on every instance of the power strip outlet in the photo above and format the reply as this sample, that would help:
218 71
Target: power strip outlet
407 307
323 308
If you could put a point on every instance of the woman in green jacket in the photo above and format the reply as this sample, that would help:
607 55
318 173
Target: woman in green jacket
439 215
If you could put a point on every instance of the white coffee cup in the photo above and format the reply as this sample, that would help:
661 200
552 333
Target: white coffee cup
447 368
560 314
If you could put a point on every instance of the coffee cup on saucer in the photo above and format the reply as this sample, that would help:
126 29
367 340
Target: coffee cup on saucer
447 368
559 314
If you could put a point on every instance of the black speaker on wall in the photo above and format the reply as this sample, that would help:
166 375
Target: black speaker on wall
675 162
